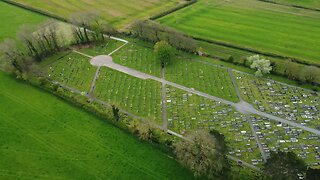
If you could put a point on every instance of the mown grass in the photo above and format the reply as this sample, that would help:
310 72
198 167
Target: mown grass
12 18
252 24
71 69
138 96
119 12
138 57
304 3
42 137
210 79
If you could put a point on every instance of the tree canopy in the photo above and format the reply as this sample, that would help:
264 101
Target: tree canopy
263 66
284 166
164 52
203 154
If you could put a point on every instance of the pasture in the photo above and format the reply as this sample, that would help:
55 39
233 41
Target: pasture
119 12
252 24
305 3
10 22
43 137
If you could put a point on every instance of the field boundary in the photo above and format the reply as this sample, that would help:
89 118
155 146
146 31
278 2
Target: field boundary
174 9
225 44
269 54
35 10
291 5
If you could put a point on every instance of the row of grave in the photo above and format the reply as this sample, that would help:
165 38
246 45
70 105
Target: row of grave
294 104
187 112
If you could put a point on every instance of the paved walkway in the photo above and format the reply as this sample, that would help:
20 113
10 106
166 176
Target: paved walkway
94 81
241 106
164 103
235 84
263 154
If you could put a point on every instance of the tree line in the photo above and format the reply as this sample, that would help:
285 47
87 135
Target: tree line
34 43
154 32
288 68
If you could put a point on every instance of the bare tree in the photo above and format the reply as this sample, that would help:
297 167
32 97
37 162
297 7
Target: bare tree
83 22
28 38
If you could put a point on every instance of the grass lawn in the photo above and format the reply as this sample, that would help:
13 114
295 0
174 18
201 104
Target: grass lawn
141 97
305 3
252 24
185 70
12 18
71 69
103 48
42 137
138 57
119 12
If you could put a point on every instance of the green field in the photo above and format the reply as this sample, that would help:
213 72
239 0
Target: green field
119 12
252 24
43 137
305 3
10 22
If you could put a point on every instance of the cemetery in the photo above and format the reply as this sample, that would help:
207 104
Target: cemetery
187 111
141 97
72 70
210 79
159 89
292 103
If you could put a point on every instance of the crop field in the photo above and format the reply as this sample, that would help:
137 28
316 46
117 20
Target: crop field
119 12
42 137
141 97
252 24
71 69
305 3
10 22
